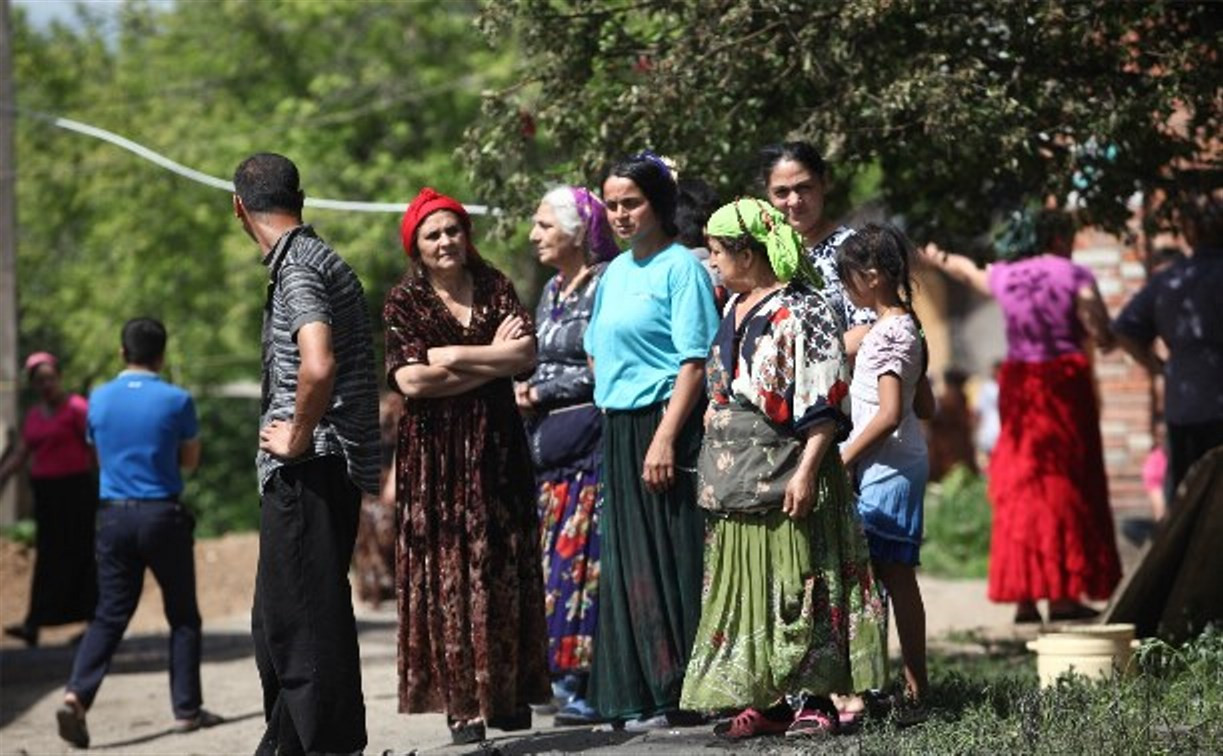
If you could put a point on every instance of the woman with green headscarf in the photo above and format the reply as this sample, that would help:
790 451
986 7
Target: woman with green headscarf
789 601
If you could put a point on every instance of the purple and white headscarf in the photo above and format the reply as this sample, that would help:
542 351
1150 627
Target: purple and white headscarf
599 238
581 214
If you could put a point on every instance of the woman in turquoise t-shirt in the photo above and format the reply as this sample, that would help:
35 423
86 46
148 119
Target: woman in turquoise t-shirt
649 335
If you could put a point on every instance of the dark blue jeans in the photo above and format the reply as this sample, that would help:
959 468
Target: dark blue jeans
156 535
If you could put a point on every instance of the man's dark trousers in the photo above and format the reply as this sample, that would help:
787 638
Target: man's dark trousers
302 621
132 536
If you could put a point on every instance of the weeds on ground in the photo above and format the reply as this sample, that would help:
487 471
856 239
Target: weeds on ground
1172 704
22 532
957 525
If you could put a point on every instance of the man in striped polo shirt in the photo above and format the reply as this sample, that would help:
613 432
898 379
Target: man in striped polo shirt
318 450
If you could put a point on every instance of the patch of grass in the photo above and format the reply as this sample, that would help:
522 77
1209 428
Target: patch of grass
957 521
22 532
223 492
991 703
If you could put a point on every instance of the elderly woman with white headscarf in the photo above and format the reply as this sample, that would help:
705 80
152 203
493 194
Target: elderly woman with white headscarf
570 233
789 604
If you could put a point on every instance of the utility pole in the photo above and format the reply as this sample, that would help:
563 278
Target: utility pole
8 259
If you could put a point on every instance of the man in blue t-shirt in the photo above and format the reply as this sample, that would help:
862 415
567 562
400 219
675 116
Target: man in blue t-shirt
144 431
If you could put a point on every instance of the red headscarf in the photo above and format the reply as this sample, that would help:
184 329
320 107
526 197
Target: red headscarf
423 205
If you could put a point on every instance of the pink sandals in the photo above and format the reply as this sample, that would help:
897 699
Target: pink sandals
750 723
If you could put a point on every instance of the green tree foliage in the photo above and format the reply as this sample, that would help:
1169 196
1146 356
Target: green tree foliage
965 106
369 98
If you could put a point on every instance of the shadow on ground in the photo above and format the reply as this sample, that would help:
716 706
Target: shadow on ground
167 733
28 674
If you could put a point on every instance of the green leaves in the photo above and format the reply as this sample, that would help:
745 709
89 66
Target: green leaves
369 98
949 97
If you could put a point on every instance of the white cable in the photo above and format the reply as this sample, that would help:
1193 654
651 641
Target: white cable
217 183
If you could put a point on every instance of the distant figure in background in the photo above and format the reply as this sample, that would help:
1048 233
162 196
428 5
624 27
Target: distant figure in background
950 430
64 588
373 559
1155 472
987 424
1052 533
145 432
695 202
570 233
1183 306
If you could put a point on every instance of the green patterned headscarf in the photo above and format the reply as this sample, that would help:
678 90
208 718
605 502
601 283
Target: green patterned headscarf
756 218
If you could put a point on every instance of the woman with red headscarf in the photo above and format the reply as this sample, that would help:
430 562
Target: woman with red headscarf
472 639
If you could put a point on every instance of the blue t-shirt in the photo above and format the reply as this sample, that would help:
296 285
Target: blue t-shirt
649 316
136 423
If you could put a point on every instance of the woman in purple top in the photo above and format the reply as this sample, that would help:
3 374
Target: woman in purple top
1052 527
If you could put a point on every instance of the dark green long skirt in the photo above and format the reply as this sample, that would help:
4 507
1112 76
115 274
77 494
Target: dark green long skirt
650 571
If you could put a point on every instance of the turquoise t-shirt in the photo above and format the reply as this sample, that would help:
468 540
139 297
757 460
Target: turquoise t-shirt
649 316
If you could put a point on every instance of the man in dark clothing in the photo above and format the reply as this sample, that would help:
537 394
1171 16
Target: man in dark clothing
318 450
1181 305
144 431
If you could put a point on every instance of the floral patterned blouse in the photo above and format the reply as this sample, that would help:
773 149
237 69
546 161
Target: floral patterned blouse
786 359
562 376
824 257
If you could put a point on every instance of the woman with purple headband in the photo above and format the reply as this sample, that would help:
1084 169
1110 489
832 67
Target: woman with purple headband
571 234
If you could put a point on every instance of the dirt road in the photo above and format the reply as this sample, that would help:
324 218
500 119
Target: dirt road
132 714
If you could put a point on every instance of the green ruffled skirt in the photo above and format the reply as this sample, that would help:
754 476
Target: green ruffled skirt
788 607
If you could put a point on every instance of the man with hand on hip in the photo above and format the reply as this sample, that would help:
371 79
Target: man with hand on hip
318 450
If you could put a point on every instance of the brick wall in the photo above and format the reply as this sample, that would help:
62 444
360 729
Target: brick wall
1125 388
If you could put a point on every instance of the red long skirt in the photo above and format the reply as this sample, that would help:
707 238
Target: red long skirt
1053 529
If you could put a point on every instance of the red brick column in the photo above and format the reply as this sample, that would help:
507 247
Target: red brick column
1124 387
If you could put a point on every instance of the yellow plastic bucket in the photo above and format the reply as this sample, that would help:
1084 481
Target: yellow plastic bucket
1094 651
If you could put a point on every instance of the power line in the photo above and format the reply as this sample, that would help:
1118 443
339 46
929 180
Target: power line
199 177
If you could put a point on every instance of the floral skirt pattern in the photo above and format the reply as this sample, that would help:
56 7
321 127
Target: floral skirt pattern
788 606
569 541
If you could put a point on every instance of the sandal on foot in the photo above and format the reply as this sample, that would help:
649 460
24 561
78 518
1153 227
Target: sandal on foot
204 718
1028 617
71 722
466 733
815 719
577 712
751 723
910 713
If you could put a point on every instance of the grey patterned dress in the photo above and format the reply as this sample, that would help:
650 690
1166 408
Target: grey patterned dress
566 445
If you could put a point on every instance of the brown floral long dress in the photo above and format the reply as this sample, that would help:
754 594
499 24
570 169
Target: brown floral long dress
472 640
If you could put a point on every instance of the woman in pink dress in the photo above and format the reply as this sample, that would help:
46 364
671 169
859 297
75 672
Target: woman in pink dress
64 587
1053 534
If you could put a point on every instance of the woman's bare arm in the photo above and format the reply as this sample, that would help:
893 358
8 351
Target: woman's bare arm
430 381
959 267
511 352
